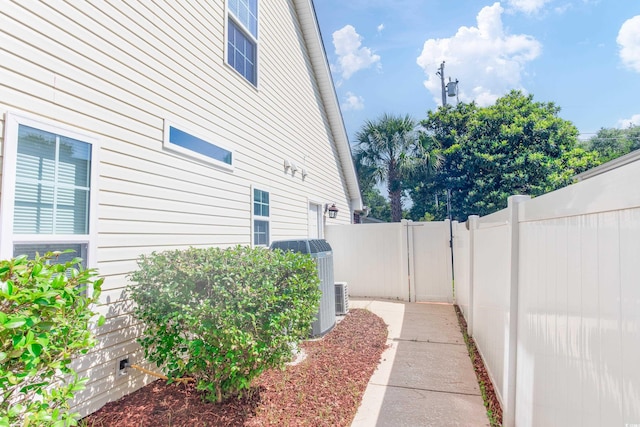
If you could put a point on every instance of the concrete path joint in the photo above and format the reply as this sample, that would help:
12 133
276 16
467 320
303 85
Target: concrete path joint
425 341
429 389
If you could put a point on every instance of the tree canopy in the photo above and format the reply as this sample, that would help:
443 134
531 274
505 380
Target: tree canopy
389 150
516 146
611 143
379 207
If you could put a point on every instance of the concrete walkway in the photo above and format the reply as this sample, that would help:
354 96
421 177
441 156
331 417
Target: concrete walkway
425 377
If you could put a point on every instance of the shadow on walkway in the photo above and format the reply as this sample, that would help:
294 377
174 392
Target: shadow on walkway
425 377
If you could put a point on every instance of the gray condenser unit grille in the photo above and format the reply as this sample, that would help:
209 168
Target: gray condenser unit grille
342 299
321 251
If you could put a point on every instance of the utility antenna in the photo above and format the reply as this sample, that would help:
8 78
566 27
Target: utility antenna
450 89
441 74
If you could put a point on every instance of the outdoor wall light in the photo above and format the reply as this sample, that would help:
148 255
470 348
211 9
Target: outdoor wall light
333 210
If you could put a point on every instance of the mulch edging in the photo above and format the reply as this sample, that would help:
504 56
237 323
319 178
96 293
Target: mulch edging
323 390
491 402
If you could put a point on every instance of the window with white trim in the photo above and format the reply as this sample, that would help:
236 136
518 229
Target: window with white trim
179 139
242 38
261 221
48 189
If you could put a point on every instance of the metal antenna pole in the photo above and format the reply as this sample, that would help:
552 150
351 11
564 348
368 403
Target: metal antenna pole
444 91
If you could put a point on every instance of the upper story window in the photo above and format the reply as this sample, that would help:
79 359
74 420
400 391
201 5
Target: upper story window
242 37
48 192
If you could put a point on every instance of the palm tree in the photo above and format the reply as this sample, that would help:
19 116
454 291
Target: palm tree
391 149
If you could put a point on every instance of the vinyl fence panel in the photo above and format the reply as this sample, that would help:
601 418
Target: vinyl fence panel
554 300
371 258
462 265
491 299
579 321
406 261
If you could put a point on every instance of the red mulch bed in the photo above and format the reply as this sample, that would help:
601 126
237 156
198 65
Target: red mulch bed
323 390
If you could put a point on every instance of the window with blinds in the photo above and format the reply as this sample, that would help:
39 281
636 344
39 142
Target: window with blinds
48 195
52 184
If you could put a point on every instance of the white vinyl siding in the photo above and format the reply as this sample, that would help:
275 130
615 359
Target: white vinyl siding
118 70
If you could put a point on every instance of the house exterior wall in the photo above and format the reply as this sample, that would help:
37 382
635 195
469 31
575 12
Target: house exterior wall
119 71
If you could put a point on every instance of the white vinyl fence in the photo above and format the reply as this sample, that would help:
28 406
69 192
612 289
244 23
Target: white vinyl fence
550 288
410 261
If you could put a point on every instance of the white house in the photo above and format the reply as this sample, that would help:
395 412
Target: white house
129 127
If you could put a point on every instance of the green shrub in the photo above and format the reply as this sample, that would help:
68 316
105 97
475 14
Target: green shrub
222 316
44 322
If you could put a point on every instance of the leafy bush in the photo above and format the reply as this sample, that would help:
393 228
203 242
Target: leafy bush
44 322
222 316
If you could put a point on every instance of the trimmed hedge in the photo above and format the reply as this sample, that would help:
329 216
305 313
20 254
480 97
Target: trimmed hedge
223 316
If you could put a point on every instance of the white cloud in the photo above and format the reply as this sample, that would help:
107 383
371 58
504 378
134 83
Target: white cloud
528 6
629 42
486 60
352 56
352 102
380 28
631 121
562 9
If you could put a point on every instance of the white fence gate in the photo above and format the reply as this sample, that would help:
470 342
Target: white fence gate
409 261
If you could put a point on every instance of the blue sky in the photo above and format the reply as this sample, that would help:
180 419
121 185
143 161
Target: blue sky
583 55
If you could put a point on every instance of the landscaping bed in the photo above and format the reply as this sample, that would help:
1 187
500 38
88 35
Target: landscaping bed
325 389
489 396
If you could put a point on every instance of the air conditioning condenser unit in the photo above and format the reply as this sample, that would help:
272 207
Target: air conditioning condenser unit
342 299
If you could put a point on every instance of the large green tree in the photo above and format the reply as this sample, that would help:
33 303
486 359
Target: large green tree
389 150
379 207
611 143
516 146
